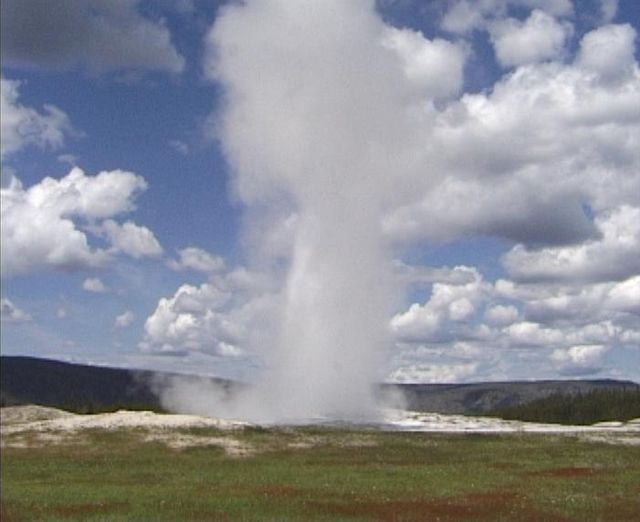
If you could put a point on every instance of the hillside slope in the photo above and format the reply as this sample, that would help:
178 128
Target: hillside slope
481 398
75 387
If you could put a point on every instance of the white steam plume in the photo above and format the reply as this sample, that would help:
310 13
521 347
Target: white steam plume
313 121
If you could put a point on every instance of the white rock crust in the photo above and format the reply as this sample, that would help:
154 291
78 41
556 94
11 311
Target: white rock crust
35 418
49 421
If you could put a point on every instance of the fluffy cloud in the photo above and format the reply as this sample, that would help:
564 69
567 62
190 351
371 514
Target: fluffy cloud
10 313
609 52
614 256
538 38
125 319
193 319
35 236
449 303
512 209
22 126
413 275
502 315
93 284
229 316
511 328
131 239
106 194
604 313
524 159
580 359
624 296
588 303
48 224
463 16
96 35
533 334
466 15
434 66
196 259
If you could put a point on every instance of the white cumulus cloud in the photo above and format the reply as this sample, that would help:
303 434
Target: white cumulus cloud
523 160
22 125
229 316
609 52
197 259
613 256
48 225
580 359
449 302
131 239
463 16
502 315
435 66
194 318
540 37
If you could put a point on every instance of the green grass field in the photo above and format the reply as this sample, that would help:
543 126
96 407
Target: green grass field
322 474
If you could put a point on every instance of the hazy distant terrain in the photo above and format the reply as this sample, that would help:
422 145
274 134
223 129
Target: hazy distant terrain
479 398
83 388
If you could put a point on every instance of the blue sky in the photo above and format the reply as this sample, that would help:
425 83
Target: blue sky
512 223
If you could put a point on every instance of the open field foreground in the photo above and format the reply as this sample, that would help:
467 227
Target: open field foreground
142 466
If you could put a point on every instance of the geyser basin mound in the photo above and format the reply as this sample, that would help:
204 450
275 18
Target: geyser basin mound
23 419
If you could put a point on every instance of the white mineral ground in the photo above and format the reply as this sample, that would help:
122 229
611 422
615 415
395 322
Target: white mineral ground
26 426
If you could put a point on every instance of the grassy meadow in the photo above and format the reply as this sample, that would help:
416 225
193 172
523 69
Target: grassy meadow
320 474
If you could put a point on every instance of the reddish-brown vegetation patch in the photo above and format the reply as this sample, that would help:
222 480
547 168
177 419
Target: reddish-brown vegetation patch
7 513
623 510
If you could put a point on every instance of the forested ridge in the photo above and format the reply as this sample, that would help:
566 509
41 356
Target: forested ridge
621 404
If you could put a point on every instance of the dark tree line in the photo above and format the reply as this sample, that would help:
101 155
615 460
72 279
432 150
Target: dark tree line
582 408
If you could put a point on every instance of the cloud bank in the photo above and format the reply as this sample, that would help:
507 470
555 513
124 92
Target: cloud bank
96 35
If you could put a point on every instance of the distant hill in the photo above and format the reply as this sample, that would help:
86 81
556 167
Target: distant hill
597 405
74 387
484 397
78 387
85 389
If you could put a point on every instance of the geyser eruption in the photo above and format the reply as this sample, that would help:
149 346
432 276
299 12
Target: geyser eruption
312 122
334 312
